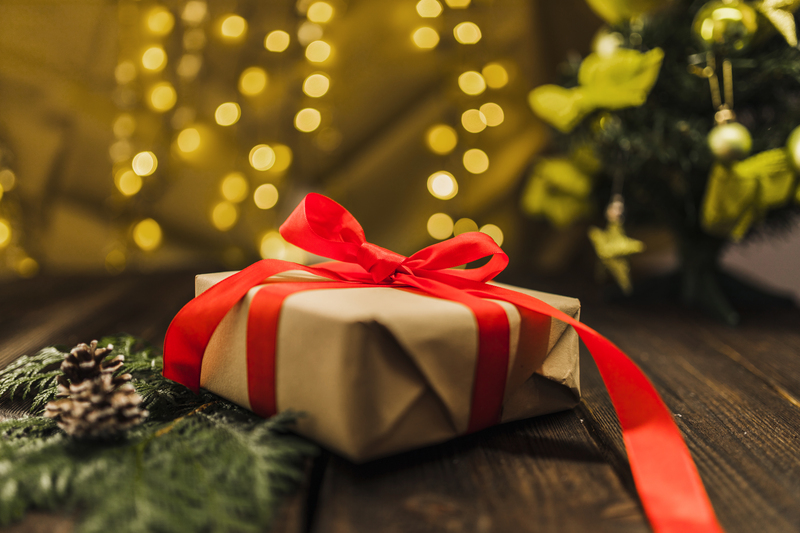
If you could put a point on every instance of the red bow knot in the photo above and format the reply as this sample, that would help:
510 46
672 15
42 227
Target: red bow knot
379 262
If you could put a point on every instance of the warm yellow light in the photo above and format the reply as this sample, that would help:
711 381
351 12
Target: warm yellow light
441 139
495 75
277 41
224 216
5 233
160 21
318 51
442 185
494 232
120 150
429 8
144 163
194 11
467 33
194 39
262 157
125 72
457 4
233 27
307 119
265 196
425 38
283 157
320 12
316 85
472 82
476 161
115 261
308 32
493 113
128 182
147 234
7 179
154 58
188 140
440 226
1 193
162 97
252 81
227 114
473 121
273 246
27 267
189 65
464 225
124 125
234 187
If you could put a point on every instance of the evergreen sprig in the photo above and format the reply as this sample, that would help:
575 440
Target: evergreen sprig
199 463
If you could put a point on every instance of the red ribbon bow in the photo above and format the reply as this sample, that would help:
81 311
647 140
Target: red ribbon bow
669 486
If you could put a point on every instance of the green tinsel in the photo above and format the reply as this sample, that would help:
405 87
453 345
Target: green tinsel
199 463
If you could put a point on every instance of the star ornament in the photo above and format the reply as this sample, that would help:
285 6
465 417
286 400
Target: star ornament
613 248
781 14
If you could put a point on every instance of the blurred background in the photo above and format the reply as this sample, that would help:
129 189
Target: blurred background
143 135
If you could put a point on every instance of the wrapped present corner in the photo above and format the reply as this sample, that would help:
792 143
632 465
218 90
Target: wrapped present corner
385 353
380 370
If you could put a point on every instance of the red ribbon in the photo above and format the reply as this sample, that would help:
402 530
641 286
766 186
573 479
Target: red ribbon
669 485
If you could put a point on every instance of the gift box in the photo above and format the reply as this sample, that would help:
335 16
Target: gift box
380 370
386 353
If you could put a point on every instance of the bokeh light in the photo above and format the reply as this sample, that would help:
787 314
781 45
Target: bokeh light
115 261
27 267
162 97
233 27
493 113
188 140
265 196
7 179
441 139
476 161
194 39
467 33
224 216
194 12
227 114
318 51
440 226
457 4
160 21
283 157
495 75
473 121
429 8
125 72
5 233
316 85
262 157
464 225
252 81
124 125
308 32
154 59
320 12
272 246
425 38
494 232
189 65
307 119
147 234
144 163
128 182
277 41
234 187
472 83
442 185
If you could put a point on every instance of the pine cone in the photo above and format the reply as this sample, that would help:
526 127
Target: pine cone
93 403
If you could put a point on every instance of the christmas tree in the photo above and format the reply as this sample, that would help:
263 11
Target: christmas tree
685 116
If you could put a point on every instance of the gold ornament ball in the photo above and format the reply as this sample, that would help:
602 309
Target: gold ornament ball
727 27
730 142
793 147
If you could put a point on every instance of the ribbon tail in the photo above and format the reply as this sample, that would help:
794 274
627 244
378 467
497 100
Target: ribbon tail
669 486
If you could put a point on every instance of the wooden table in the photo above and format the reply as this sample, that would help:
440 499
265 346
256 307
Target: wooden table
735 394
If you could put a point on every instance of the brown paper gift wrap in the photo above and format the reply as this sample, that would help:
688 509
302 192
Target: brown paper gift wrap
380 370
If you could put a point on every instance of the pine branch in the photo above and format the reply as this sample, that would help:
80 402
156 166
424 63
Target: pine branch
199 463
